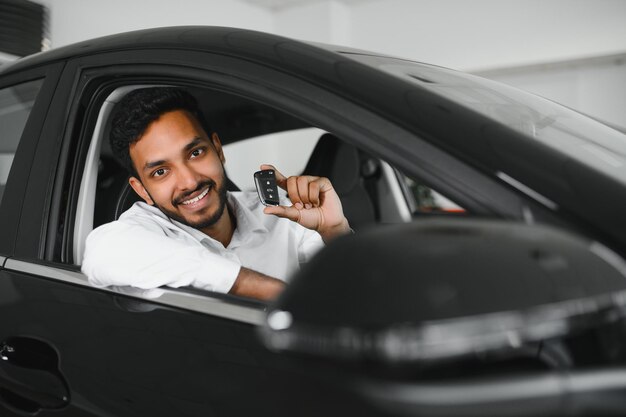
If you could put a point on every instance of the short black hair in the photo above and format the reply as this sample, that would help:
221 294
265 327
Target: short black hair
138 109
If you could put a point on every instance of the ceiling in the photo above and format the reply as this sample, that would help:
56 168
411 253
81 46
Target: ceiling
284 4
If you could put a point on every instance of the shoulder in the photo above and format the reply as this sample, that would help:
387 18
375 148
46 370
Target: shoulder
140 216
141 211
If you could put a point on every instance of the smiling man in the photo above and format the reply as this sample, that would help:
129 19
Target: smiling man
190 231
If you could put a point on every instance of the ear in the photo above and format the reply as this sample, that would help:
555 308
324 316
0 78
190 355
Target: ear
218 146
140 190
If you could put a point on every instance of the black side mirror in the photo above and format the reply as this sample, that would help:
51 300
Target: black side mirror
443 288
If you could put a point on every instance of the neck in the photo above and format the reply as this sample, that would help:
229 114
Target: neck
223 229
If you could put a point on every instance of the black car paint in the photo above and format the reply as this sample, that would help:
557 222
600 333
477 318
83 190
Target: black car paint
127 357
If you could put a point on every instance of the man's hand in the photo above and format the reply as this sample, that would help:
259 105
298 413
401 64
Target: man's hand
315 204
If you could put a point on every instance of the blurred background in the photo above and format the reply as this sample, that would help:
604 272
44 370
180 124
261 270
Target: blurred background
570 51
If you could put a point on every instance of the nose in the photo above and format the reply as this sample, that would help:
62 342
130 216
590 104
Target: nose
187 178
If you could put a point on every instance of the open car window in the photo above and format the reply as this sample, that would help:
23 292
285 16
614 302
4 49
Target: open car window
372 191
288 151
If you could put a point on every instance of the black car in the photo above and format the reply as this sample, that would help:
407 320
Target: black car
485 276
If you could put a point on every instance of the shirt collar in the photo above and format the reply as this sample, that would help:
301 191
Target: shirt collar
247 222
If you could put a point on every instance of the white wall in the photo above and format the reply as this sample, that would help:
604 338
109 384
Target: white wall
480 34
467 35
328 21
75 20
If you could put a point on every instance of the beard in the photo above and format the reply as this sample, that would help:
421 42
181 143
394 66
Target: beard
202 223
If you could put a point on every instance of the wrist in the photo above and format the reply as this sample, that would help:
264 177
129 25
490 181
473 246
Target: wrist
335 231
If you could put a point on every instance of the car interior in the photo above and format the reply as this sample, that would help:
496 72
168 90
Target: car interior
372 191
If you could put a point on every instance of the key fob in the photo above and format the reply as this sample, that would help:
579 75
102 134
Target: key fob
266 187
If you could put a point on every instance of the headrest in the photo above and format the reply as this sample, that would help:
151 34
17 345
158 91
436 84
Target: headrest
335 159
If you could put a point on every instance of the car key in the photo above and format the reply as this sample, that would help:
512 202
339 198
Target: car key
266 187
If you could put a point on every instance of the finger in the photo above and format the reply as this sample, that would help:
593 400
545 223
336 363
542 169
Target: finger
281 180
292 192
314 193
290 213
303 191
324 184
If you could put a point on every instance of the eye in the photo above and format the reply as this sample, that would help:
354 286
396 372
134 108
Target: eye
159 172
196 153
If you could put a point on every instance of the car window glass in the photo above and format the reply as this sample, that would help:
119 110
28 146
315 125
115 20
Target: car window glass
16 102
566 131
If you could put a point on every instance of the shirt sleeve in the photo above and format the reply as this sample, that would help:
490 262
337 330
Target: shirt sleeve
123 254
310 243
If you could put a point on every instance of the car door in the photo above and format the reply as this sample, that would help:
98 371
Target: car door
24 101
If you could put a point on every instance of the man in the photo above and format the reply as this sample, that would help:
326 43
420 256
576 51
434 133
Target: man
190 230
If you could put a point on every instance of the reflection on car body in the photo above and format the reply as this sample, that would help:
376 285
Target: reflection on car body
485 277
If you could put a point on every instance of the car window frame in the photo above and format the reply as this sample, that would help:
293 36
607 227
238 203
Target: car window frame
96 117
13 208
87 81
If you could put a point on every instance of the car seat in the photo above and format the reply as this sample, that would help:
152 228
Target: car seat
353 174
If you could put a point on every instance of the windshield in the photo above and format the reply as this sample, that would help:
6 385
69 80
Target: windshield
572 133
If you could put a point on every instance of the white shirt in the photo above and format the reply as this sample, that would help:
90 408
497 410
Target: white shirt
146 249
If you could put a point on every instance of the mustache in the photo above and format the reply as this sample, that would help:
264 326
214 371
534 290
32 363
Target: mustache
207 183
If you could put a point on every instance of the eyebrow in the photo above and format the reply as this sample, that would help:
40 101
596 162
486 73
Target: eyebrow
153 164
194 142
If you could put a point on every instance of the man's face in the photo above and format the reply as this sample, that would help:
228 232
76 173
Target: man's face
181 170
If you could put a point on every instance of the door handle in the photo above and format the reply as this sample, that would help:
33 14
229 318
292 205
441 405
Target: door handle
30 378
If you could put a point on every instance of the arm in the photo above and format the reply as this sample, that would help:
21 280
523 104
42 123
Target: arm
120 254
143 256
315 204
254 284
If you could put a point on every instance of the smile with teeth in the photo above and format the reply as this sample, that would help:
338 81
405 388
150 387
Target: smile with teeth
198 198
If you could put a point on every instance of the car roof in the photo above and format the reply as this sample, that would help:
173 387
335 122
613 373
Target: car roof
231 41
